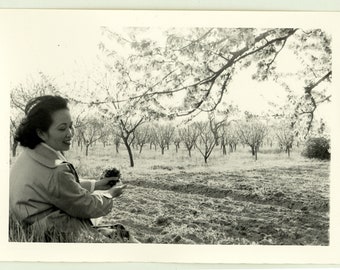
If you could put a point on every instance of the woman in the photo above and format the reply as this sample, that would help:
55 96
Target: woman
45 191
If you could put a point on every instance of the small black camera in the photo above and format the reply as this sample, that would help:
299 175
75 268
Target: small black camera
112 172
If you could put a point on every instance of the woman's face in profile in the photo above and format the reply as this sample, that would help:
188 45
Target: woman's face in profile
60 133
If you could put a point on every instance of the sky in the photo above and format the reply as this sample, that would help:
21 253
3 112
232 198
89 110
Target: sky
61 52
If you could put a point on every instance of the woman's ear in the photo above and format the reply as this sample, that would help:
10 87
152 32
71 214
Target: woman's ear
42 135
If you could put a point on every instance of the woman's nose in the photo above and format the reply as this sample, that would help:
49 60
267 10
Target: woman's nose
70 132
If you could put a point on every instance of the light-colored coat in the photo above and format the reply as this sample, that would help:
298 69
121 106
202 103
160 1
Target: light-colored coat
45 188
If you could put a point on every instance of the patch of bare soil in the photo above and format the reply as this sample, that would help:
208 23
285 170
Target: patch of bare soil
277 206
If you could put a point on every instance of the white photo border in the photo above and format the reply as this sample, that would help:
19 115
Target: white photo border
174 253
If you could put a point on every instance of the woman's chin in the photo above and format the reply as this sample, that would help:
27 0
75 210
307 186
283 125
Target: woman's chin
66 147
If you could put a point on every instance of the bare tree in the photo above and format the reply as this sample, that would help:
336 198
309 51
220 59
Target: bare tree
142 136
116 141
92 132
252 133
177 140
127 129
228 137
285 136
206 140
189 136
164 134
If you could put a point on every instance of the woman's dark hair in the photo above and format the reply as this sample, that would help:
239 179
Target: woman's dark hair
38 113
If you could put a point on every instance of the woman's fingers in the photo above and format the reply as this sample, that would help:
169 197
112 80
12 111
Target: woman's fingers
111 178
117 190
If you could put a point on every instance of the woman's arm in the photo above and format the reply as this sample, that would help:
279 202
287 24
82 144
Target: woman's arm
89 185
101 184
70 197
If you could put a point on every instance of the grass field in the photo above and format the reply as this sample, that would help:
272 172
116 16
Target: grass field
232 200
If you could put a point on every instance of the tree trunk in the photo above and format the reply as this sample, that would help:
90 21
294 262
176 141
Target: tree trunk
176 148
117 148
205 159
253 150
162 150
255 155
288 151
14 148
140 148
189 152
87 150
224 150
132 164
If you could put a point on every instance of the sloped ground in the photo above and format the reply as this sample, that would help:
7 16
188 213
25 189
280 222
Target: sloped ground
271 206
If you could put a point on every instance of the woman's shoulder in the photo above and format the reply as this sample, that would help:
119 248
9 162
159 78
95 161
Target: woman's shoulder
23 161
67 167
27 170
32 162
63 166
42 156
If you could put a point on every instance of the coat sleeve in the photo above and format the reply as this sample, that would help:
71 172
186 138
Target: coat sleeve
70 197
87 184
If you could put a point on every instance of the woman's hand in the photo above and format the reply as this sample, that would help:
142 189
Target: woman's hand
116 191
104 183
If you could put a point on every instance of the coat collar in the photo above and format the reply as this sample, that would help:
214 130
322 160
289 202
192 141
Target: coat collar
45 155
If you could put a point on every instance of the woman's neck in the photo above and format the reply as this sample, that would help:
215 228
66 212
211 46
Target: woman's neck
58 153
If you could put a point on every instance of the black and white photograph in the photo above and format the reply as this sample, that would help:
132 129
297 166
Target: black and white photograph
171 131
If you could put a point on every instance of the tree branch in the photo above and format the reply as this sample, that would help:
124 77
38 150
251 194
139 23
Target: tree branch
196 40
310 87
263 36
